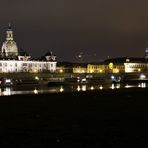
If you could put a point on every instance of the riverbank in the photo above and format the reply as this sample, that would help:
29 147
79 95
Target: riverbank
111 118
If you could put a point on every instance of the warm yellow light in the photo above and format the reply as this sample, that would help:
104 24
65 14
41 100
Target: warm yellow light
118 86
61 70
78 88
111 65
61 89
4 70
91 71
35 71
115 70
101 87
92 88
100 70
139 69
113 86
35 91
36 77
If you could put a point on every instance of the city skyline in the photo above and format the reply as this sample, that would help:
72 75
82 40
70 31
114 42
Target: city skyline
95 29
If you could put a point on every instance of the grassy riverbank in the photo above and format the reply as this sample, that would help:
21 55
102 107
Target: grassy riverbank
111 118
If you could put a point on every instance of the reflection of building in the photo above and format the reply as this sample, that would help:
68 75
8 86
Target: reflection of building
12 60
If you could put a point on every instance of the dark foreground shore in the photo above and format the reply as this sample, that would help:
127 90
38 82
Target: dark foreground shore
111 118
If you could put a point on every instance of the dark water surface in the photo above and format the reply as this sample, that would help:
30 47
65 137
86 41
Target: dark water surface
41 89
107 118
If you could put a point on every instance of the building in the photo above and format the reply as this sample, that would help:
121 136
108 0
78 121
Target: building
12 60
79 68
127 65
9 47
96 68
64 67
115 65
136 65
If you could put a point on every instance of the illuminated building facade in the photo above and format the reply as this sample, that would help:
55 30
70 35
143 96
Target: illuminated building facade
135 67
96 68
127 65
80 68
11 60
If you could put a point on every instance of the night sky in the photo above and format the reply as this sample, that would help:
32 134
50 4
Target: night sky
95 28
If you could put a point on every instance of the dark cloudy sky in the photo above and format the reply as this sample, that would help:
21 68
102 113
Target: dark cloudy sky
98 28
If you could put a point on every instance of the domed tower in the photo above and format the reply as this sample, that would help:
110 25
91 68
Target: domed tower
146 51
9 47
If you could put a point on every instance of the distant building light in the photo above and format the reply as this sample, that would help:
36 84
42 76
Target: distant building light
127 60
111 66
89 76
83 80
115 70
35 71
91 71
112 77
142 76
61 70
100 70
8 81
36 78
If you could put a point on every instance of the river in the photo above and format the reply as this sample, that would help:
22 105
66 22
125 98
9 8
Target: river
40 89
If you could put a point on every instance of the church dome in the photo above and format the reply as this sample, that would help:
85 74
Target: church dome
10 48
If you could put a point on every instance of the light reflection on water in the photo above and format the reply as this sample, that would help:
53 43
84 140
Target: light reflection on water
84 88
78 88
142 85
92 87
59 89
35 91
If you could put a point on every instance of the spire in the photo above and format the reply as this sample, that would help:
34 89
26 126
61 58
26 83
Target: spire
9 33
9 26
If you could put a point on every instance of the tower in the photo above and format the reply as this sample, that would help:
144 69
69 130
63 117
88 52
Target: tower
146 51
9 33
9 47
